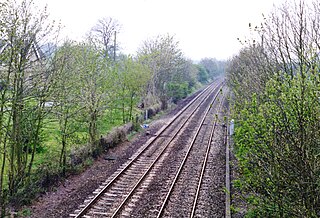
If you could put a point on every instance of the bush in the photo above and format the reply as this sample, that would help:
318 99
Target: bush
277 141
116 136
178 91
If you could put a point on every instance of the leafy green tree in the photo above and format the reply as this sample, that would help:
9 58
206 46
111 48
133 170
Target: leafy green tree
95 74
203 76
183 81
275 82
163 56
132 81
26 81
278 146
213 67
248 73
65 97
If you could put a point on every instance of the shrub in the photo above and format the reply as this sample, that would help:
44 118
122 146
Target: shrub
277 141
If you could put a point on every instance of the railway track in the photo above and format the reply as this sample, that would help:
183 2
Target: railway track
190 177
123 190
173 191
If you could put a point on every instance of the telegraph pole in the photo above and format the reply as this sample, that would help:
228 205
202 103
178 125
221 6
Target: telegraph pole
114 46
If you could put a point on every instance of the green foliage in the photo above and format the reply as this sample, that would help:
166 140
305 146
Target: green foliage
278 144
26 79
65 96
178 91
26 212
213 67
55 102
131 81
275 83
165 60
203 76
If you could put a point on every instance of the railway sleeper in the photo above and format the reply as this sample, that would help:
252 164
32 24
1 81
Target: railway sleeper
99 208
110 194
77 211
106 201
134 171
100 213
117 189
125 214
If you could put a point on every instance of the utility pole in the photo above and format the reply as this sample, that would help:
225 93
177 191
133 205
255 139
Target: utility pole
114 46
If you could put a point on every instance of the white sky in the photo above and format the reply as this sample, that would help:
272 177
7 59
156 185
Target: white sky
204 28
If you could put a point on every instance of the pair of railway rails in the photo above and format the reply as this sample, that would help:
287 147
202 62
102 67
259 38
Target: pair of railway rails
170 167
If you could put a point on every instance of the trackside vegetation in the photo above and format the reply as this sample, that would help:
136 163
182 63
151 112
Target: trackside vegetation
276 105
60 98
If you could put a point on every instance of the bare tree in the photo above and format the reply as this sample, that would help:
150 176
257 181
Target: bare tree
103 35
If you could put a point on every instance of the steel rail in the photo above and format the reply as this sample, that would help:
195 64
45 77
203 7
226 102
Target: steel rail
204 164
184 160
152 164
85 209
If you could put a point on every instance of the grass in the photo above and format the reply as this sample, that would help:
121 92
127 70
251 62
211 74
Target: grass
49 150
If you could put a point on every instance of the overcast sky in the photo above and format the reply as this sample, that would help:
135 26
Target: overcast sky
204 28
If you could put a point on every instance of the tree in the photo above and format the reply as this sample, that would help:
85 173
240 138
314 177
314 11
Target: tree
95 74
183 81
203 76
278 145
275 81
65 96
132 79
103 36
26 82
248 72
210 66
165 59
213 67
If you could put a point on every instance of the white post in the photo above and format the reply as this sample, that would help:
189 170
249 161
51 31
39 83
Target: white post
231 127
146 115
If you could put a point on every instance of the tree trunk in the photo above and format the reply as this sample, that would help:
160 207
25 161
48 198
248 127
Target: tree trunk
123 112
2 197
35 138
164 102
63 155
93 128
131 107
